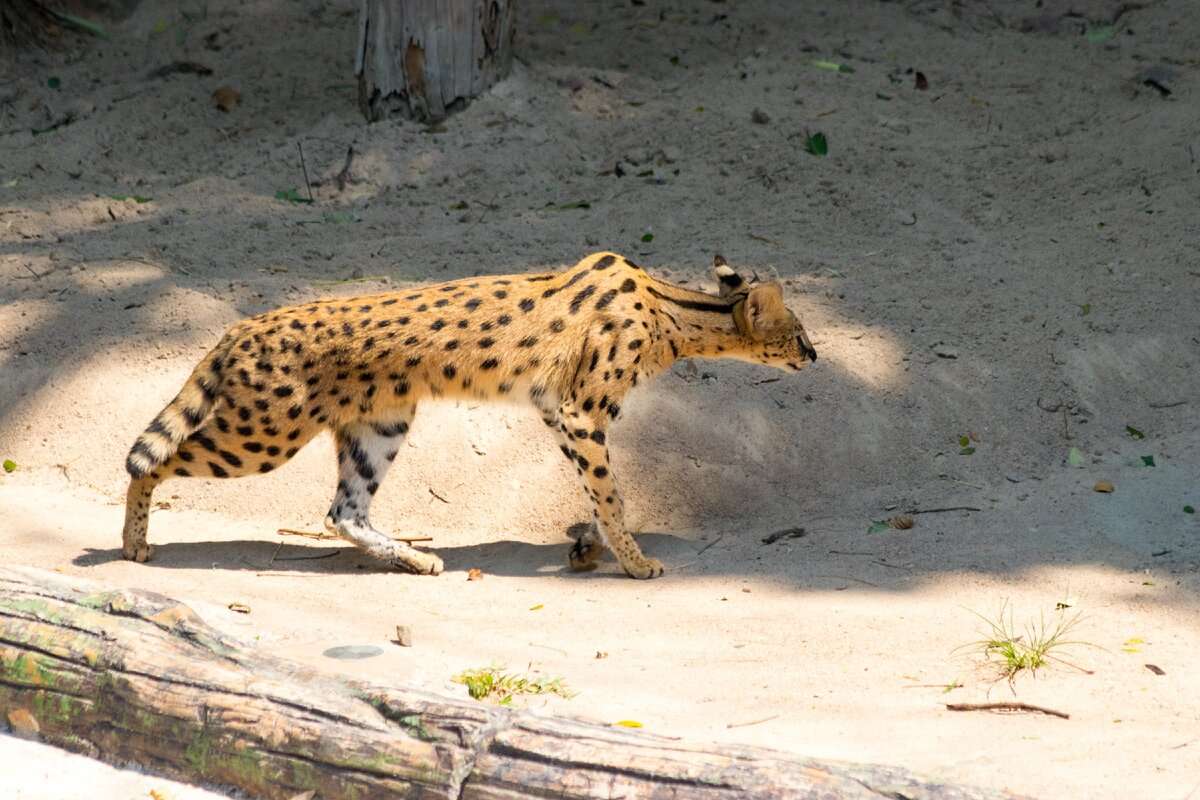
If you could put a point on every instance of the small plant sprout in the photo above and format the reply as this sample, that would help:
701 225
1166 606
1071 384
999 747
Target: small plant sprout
493 683
1012 651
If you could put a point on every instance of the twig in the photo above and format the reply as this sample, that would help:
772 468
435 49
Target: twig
1010 706
848 578
1169 405
883 563
277 549
1066 431
304 169
963 483
850 553
940 510
328 536
306 534
786 533
701 551
341 178
547 647
438 496
751 722
364 279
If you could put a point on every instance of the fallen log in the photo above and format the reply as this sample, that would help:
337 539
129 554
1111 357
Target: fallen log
130 676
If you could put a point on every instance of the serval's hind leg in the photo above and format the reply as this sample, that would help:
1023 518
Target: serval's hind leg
365 451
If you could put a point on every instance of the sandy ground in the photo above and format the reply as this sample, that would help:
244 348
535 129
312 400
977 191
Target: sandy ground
1010 254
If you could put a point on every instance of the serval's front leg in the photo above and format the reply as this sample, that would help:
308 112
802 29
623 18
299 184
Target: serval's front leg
584 441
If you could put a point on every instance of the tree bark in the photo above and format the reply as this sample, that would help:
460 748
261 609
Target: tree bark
422 59
135 677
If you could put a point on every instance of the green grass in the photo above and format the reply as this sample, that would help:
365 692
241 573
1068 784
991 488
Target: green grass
1033 646
493 683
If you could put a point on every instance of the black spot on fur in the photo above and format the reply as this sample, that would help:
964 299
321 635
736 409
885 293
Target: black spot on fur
438 325
527 305
283 391
600 472
217 470
578 299
449 371
487 341
628 285
558 326
605 262
605 299
491 363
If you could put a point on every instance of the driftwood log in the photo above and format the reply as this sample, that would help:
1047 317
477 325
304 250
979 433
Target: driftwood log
135 677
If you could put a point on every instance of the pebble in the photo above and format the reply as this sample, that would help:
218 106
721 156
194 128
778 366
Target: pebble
944 351
905 217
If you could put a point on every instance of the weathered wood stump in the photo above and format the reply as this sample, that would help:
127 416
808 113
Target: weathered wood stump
135 677
421 59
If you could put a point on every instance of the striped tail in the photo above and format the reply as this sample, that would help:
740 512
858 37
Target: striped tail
181 418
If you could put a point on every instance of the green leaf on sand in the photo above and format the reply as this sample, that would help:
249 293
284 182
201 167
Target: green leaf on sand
877 527
1189 510
1134 432
292 196
87 26
9 465
830 65
647 237
1147 461
1075 458
816 144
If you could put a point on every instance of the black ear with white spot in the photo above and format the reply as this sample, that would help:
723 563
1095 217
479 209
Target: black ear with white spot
731 284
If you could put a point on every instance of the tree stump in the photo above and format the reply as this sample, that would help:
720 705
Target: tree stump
422 59
135 677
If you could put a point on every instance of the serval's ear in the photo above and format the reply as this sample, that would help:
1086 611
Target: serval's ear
731 284
764 310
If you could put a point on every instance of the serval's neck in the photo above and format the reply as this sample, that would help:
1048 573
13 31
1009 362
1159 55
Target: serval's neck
696 324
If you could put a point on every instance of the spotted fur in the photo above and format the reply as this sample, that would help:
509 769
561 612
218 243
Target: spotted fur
571 343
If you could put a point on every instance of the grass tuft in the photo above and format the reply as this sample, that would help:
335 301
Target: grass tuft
1014 651
493 683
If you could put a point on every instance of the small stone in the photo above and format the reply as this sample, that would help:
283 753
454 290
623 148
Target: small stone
671 154
1050 404
759 117
1105 487
404 636
944 351
905 217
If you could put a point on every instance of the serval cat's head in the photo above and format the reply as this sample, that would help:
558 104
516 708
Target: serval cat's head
771 333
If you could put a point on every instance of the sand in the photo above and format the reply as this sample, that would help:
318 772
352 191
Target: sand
1008 255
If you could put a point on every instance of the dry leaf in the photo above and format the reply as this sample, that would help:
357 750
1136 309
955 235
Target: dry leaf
974 436
240 608
226 97
601 654
1103 486
630 723
901 523
161 794
475 575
